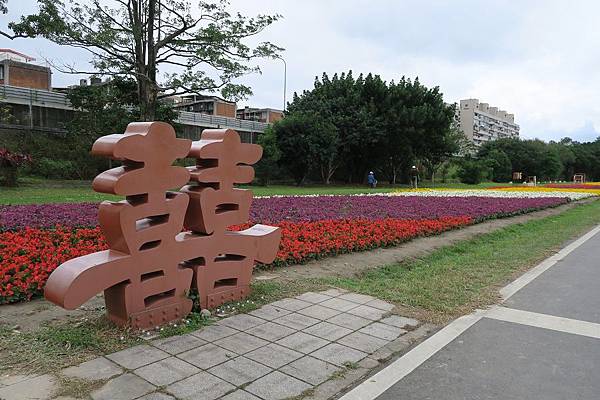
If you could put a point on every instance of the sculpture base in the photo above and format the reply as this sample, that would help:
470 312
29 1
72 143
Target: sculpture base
160 315
216 299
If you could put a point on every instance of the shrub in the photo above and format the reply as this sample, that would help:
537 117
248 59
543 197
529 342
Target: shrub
472 171
10 162
56 169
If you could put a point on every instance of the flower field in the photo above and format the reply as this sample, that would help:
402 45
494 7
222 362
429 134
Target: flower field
35 239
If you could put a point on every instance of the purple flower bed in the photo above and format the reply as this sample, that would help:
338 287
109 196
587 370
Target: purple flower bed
271 210
276 209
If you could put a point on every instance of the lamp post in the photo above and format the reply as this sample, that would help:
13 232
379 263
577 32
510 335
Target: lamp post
284 79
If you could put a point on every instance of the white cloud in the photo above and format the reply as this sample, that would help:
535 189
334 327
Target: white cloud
536 59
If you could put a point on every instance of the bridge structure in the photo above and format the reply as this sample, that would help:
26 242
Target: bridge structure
48 111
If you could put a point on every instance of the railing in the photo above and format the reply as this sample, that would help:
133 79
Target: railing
35 97
192 118
45 98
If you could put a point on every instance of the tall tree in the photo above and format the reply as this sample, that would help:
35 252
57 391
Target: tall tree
204 49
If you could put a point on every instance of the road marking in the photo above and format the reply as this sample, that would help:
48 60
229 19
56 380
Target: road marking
384 379
519 283
387 377
560 324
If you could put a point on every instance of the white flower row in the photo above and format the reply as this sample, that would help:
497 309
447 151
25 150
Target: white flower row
457 193
494 193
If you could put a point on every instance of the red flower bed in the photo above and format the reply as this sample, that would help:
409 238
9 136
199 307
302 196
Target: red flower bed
27 257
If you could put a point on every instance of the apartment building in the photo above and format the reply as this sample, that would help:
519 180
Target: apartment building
17 69
481 122
211 105
266 115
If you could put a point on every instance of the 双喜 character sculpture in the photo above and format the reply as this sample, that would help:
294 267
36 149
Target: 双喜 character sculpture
164 243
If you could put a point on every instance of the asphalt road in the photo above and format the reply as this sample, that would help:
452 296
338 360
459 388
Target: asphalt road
542 343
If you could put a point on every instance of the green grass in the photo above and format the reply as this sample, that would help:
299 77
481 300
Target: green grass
456 279
40 191
52 347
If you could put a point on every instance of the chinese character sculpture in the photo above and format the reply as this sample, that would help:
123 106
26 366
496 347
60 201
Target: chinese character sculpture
152 262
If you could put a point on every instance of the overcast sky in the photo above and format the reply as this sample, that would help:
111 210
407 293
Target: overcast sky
537 59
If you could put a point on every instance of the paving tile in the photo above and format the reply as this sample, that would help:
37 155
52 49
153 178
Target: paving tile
167 371
207 356
383 331
8 380
311 370
349 321
277 386
328 331
214 332
338 354
270 312
319 312
313 297
240 371
40 388
357 298
363 342
400 322
271 331
242 322
380 304
334 292
96 369
274 355
200 386
137 356
291 304
296 321
367 312
339 304
157 396
240 395
241 343
303 342
124 387
178 344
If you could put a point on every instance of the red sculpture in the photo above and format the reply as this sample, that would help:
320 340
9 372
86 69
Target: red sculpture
151 264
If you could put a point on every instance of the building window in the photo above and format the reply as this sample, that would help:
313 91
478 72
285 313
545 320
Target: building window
2 72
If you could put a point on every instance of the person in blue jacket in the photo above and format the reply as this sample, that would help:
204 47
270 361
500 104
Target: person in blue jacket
371 180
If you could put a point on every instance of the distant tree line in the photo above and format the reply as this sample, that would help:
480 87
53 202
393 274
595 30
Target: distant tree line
345 127
552 161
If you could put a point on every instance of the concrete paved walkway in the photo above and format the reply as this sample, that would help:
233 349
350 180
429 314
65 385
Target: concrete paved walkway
314 345
543 342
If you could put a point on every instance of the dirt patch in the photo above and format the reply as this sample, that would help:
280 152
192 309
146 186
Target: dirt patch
29 316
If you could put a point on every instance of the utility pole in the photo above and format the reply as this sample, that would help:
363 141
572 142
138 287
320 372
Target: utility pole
284 80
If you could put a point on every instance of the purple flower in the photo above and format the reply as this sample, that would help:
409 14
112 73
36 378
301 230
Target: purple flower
313 208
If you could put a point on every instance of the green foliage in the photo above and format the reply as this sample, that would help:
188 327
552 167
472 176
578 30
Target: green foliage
472 171
204 47
499 165
56 169
369 124
268 166
293 135
547 161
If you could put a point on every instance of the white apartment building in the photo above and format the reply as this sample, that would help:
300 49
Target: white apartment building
481 123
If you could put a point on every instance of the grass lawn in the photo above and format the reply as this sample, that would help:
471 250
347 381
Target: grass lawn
39 191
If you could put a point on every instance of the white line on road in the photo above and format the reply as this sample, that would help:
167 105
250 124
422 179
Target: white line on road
384 379
567 325
387 377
